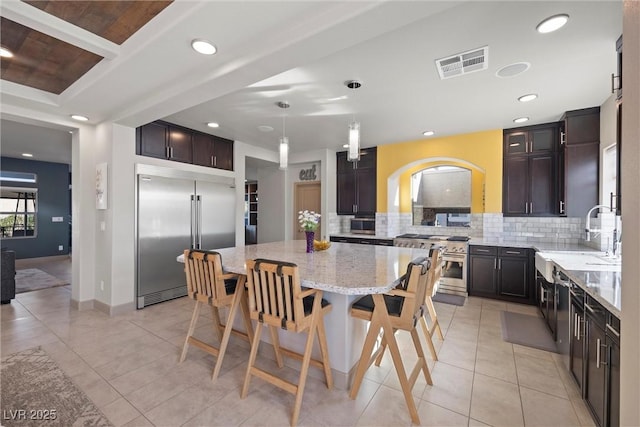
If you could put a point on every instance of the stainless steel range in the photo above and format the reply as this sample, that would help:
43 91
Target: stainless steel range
454 272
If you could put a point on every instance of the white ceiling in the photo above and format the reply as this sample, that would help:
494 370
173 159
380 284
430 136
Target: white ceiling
303 52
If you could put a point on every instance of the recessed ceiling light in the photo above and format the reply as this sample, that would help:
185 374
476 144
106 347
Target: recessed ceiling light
79 118
528 97
521 120
552 23
5 53
345 145
428 132
513 69
265 128
203 46
27 155
213 125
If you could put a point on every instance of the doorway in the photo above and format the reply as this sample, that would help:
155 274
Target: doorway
307 196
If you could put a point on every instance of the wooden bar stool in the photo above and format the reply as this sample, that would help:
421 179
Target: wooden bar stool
399 309
207 284
434 274
277 300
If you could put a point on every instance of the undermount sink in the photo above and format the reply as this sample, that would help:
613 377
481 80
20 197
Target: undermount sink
583 261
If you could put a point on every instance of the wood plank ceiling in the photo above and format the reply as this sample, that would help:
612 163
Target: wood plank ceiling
43 62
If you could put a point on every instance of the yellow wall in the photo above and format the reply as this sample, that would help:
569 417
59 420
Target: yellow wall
482 149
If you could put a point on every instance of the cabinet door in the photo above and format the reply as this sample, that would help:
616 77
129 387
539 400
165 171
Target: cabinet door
152 140
513 277
202 149
222 153
180 147
346 193
576 346
365 191
595 375
542 185
516 142
581 169
582 128
614 382
515 191
482 275
543 140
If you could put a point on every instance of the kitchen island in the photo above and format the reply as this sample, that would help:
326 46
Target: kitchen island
344 272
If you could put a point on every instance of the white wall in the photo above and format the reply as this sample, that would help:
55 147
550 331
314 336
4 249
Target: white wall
608 114
271 202
630 327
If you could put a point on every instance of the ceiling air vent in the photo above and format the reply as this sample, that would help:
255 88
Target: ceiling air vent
463 63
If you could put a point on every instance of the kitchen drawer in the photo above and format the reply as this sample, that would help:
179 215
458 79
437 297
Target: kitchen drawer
483 250
513 252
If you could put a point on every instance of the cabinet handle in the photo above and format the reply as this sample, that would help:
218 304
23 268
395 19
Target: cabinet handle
171 152
495 263
613 83
561 207
212 161
499 264
580 326
598 353
613 331
575 324
530 207
563 138
482 250
166 152
512 252
543 294
215 160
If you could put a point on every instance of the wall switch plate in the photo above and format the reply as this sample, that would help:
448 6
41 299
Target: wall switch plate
57 219
60 248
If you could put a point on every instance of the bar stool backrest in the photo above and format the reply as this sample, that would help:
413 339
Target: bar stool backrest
204 277
274 294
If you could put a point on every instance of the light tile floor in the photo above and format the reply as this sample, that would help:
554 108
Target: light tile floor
128 365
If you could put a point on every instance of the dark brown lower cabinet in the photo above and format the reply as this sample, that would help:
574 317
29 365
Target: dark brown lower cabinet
601 389
501 273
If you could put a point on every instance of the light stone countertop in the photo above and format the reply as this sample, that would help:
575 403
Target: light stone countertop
344 268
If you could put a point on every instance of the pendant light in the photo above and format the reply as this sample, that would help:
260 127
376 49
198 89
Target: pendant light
353 155
284 141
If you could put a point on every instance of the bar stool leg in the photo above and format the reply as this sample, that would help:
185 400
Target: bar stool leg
380 312
427 334
192 326
224 340
255 343
324 351
367 349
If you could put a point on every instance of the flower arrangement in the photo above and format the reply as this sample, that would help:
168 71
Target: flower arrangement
308 220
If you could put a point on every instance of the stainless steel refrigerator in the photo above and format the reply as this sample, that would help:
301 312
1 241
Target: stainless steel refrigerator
174 214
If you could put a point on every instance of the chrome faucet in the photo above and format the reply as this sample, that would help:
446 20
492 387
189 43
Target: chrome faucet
588 228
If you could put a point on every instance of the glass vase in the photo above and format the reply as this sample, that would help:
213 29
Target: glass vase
310 236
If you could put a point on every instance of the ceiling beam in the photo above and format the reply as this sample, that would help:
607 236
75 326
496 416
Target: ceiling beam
41 21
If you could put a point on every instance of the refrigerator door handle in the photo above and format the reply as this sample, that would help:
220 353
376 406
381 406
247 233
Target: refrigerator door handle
193 223
199 219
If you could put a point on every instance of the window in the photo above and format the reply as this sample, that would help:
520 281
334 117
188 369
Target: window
18 209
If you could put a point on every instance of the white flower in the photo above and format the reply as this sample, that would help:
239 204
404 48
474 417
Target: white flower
308 220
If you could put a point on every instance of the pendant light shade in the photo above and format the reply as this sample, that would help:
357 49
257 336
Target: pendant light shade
284 141
354 141
284 152
353 154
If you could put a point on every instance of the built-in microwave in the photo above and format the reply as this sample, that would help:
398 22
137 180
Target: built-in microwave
363 225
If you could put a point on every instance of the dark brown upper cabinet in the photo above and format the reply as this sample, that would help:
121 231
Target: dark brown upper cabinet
167 141
212 151
530 171
579 166
356 183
